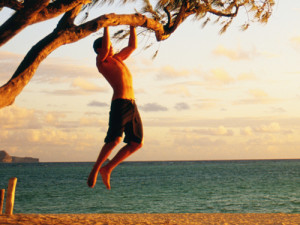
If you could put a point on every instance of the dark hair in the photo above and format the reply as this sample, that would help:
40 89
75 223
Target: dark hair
97 44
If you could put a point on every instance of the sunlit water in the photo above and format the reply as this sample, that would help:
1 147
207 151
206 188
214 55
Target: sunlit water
158 187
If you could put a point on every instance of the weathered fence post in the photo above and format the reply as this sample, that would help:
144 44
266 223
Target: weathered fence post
10 197
2 192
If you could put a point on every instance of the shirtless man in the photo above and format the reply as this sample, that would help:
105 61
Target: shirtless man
124 115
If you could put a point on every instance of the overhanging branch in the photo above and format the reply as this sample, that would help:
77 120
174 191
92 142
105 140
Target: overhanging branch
12 4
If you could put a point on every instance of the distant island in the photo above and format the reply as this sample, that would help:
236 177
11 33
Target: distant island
6 158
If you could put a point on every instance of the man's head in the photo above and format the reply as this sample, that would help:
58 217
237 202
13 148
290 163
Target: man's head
97 44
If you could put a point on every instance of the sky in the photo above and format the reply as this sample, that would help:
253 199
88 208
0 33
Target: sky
205 96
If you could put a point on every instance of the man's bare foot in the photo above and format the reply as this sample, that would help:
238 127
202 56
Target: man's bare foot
91 182
105 173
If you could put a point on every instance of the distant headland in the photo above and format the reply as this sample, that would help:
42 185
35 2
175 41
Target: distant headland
6 158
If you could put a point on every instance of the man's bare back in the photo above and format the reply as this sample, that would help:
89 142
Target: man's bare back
118 76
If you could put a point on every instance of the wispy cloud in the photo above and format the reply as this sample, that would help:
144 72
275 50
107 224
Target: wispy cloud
265 128
236 54
52 70
246 77
153 107
92 122
181 106
98 104
78 86
218 131
87 85
169 72
14 117
219 76
8 65
178 89
269 128
257 96
295 42
206 103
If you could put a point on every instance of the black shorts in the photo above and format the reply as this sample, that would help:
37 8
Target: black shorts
124 117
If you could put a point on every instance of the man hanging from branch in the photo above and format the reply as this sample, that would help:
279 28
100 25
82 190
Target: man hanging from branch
124 115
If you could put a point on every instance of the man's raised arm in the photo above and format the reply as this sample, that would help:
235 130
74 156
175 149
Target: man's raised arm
132 45
104 49
132 38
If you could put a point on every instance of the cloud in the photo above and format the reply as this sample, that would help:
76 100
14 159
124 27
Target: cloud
246 77
258 96
295 41
219 76
70 92
14 117
206 103
270 128
219 131
247 131
53 118
269 55
278 110
8 65
86 85
98 104
153 107
167 72
56 70
177 89
79 86
237 54
181 106
92 122
52 70
215 131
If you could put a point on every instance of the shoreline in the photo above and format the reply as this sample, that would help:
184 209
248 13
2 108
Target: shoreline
169 218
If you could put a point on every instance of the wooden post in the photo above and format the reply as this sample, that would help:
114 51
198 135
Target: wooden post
2 192
10 197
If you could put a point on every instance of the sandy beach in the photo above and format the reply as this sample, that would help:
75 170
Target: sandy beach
128 219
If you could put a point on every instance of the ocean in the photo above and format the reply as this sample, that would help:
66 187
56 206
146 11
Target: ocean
254 186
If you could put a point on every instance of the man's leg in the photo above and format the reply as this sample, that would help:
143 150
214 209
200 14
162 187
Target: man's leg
103 155
124 152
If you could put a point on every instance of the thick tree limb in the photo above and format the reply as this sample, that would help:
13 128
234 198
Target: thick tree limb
33 11
115 20
21 19
12 4
58 7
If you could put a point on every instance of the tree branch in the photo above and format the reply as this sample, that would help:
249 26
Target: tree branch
220 13
21 19
36 11
178 19
169 17
12 4
58 7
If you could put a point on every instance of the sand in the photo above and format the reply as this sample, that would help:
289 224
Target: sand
135 219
